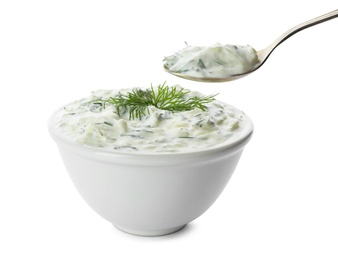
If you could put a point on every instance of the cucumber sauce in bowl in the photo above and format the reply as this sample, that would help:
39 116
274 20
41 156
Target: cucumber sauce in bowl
152 160
92 123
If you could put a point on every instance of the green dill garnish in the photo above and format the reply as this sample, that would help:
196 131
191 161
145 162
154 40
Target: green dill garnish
173 99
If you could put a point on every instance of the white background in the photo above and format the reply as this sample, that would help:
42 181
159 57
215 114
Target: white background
281 203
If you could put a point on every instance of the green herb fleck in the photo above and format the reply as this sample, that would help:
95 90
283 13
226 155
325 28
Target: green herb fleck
201 64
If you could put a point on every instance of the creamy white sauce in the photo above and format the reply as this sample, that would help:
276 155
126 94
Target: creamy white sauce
159 131
216 61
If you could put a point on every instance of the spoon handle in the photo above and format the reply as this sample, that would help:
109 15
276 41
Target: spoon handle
265 53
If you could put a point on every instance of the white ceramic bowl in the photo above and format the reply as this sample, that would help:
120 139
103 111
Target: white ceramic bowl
149 194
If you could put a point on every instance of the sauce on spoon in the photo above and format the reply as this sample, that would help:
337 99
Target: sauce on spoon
216 61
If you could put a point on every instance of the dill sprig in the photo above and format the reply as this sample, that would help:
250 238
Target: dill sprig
173 99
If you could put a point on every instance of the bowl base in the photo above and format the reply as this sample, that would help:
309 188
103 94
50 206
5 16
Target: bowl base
150 233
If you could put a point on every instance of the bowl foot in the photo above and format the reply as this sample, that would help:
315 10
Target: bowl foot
150 233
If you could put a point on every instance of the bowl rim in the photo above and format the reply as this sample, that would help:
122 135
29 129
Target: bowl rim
244 137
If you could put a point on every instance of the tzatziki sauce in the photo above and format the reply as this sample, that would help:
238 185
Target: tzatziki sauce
216 61
88 123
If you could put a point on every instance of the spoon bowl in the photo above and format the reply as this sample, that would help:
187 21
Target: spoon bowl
263 54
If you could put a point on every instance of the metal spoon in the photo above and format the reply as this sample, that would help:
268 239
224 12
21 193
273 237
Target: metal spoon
265 53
